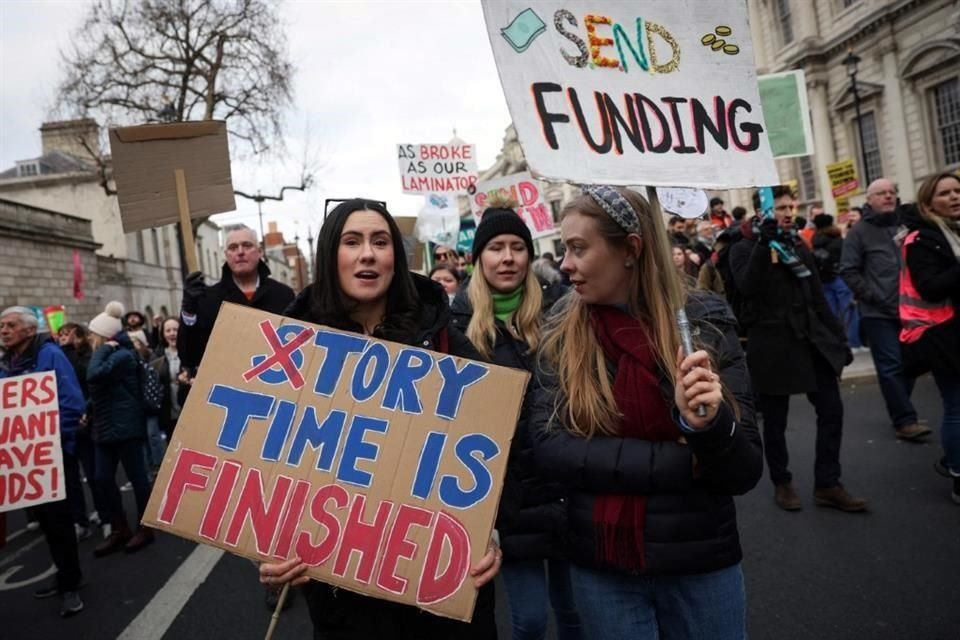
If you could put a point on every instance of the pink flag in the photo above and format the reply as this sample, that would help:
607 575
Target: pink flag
77 275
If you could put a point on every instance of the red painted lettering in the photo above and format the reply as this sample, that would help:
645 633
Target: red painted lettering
219 498
310 553
435 588
363 538
291 519
182 478
398 546
263 518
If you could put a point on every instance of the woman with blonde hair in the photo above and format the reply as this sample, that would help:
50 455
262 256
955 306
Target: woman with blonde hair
500 311
650 443
929 300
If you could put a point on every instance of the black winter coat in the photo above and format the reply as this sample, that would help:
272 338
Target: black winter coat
116 396
827 251
935 271
340 614
270 296
691 522
532 512
870 264
787 320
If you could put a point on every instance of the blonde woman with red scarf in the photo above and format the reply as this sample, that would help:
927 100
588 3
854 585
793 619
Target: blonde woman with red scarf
650 443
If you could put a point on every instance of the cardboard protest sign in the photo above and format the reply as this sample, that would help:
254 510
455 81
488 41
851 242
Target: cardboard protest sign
786 113
843 178
31 461
522 189
145 159
437 168
664 93
380 465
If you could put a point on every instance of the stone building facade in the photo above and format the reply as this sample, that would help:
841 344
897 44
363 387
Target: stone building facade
37 260
908 81
140 269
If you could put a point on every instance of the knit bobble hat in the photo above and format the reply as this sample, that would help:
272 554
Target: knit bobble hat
108 323
822 220
497 222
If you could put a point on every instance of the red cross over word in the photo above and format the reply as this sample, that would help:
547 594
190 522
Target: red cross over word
281 354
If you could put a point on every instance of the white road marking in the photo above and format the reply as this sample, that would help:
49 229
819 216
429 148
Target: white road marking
21 551
16 534
154 620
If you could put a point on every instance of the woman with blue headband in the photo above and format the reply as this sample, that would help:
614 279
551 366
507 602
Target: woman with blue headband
651 443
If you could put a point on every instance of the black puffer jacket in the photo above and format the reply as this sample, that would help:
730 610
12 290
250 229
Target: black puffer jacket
691 522
116 395
532 513
935 272
787 320
827 250
345 615
270 296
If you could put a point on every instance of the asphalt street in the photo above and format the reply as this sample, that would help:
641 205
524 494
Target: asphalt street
815 574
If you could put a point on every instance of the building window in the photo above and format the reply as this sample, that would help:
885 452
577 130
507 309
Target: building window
808 180
555 210
155 239
28 169
786 21
140 251
946 107
871 148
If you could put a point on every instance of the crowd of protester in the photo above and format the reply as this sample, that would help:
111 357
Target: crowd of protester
628 451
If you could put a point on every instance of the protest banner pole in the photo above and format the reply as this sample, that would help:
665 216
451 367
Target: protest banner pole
275 618
186 227
654 201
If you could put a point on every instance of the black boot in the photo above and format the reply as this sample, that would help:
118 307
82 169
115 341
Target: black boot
119 535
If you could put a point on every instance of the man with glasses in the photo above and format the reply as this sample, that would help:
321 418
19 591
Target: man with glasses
870 265
445 254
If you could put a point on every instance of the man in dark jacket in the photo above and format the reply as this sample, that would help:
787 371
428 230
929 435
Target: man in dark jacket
794 345
245 280
870 265
26 352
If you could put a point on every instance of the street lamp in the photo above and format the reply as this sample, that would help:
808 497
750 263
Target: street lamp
851 62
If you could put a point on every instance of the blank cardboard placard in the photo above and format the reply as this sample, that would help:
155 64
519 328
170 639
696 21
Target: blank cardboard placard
145 158
379 464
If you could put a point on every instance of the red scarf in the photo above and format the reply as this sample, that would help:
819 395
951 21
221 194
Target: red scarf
619 520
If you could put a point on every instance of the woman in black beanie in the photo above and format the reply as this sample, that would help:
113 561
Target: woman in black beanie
500 311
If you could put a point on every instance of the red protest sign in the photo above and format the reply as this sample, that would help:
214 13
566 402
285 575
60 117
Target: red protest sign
522 189
31 461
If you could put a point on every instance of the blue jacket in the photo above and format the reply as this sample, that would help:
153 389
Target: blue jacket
116 397
45 355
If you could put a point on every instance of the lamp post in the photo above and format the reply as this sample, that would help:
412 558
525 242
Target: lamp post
851 62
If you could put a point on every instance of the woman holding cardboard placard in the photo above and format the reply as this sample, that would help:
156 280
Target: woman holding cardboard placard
650 442
500 312
362 284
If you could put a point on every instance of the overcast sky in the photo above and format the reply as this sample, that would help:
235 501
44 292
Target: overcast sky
369 76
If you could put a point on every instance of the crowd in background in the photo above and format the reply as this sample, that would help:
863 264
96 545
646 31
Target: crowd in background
629 449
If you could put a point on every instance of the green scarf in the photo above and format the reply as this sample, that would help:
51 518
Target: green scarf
504 304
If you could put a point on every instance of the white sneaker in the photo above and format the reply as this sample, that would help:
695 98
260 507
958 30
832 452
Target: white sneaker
127 487
94 518
107 530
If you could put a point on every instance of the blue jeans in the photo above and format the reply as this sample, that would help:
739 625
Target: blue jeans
883 336
108 456
615 606
950 427
527 582
155 446
840 300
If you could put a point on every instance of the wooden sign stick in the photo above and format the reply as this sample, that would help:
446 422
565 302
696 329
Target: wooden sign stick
186 227
275 618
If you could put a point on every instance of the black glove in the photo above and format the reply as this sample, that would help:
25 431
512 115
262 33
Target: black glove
193 291
769 230
848 358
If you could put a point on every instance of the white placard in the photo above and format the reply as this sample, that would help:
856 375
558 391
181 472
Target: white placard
686 203
437 168
525 192
661 93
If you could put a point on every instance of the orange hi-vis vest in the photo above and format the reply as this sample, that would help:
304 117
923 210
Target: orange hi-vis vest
916 314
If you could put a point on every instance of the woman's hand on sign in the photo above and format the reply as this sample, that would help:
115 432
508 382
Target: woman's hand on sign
488 567
277 574
696 385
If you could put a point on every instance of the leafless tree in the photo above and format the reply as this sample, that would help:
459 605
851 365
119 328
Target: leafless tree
174 60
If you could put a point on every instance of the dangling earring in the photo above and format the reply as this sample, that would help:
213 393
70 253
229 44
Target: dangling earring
628 264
